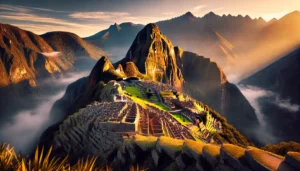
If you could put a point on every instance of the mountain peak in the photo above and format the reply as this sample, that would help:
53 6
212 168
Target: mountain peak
209 15
154 56
188 16
115 27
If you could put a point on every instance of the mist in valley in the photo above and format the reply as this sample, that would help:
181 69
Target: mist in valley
25 127
258 98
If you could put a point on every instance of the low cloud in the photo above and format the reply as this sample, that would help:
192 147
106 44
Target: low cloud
27 126
286 104
51 54
116 17
253 94
197 8
108 16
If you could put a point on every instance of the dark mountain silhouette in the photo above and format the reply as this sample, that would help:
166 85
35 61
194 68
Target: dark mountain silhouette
116 39
282 78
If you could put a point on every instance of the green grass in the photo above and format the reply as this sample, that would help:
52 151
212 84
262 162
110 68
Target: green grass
181 119
133 91
144 102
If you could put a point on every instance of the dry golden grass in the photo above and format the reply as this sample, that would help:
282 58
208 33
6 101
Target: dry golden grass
295 155
42 161
8 158
235 151
269 160
212 150
173 144
195 146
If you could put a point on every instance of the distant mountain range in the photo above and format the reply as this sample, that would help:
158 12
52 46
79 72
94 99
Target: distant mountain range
116 39
28 59
229 40
281 109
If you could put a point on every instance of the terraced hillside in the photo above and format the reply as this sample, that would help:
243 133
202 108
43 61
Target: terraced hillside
129 107
161 153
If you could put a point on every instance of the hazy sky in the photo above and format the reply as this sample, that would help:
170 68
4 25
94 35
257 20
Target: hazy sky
87 17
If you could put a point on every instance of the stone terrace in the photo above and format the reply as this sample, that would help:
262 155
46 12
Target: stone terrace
167 153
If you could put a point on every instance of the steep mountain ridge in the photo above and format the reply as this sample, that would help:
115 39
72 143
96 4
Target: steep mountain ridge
24 54
72 46
205 81
154 56
30 65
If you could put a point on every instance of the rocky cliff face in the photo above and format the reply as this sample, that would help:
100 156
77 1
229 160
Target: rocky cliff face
77 51
205 81
154 56
28 61
25 57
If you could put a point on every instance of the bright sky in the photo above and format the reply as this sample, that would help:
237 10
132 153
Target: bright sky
90 16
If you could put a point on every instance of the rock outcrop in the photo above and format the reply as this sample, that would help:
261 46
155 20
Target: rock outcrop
205 81
154 56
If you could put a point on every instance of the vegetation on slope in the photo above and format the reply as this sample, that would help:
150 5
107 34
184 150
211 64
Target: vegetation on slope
282 148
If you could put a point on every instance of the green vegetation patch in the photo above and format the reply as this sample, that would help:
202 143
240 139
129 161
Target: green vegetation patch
235 151
133 91
181 119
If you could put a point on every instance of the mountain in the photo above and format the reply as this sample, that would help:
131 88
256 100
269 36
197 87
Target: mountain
281 78
30 65
284 35
116 39
229 40
110 107
152 57
24 55
76 50
205 81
